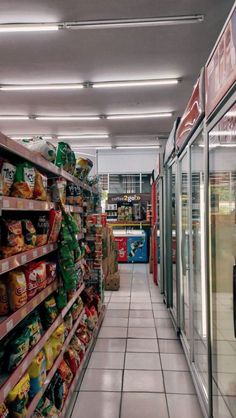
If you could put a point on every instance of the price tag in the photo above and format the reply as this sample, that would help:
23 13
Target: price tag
23 259
34 303
19 204
24 366
5 266
35 253
23 313
44 250
9 325
31 205
6 203
6 390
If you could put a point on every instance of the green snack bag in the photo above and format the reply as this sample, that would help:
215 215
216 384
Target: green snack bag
18 348
61 298
61 154
24 182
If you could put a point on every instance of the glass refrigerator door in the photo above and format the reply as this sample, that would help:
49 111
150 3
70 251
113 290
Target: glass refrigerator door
222 224
173 242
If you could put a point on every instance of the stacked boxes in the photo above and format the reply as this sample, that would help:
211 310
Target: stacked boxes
110 260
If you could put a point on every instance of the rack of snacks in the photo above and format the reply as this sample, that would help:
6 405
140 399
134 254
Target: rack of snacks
50 307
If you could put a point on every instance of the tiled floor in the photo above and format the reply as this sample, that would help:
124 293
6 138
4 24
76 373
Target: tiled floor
138 367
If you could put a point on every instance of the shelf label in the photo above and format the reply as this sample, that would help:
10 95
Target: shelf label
19 204
31 205
6 203
25 366
44 250
35 253
9 325
23 313
23 259
34 303
5 266
6 390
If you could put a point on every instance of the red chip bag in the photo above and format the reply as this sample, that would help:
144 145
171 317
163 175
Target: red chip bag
55 219
65 372
72 359
51 271
35 274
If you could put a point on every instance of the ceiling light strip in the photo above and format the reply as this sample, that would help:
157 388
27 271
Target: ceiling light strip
87 118
27 87
135 83
140 116
29 27
138 147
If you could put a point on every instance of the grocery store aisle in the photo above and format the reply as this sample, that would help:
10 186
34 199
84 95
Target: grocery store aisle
138 367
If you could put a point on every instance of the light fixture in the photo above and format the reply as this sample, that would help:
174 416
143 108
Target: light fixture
140 116
29 27
222 133
20 137
78 148
135 22
12 117
135 83
25 87
139 147
67 118
85 136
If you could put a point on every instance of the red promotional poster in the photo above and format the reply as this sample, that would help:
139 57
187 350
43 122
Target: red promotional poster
221 68
122 248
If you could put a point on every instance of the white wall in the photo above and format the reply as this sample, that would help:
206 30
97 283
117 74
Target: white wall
126 161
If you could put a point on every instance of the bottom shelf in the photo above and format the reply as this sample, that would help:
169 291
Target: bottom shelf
79 376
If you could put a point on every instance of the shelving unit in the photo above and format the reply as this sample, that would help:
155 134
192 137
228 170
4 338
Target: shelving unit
10 205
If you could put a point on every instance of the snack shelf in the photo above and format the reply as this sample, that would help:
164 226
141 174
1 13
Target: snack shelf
17 260
52 371
7 324
36 159
82 366
14 377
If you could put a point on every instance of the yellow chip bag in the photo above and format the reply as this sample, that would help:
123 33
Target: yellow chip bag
17 398
48 352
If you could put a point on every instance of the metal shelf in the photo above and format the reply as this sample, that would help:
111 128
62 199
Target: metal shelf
8 203
15 376
17 260
7 324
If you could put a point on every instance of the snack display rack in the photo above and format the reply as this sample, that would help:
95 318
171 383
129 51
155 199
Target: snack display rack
8 323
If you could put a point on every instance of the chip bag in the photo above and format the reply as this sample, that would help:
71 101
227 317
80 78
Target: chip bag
33 323
65 372
42 230
18 397
7 173
12 240
51 271
24 181
18 348
59 334
50 311
17 289
29 234
40 186
48 352
72 359
55 219
4 305
37 373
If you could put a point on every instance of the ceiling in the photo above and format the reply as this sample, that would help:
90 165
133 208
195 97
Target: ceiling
103 55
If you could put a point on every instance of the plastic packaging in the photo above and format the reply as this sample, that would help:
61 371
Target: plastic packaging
55 219
29 234
24 181
42 230
7 174
4 305
18 397
37 374
12 240
18 347
40 186
17 289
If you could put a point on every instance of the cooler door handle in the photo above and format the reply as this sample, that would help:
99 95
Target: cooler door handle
234 298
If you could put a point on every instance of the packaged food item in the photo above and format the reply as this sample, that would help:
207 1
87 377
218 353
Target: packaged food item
59 190
45 148
35 273
42 230
83 334
33 323
68 320
18 347
40 268
70 194
7 173
40 186
4 412
65 372
29 234
75 311
78 346
56 347
61 298
55 219
4 305
78 196
59 334
48 352
12 241
24 181
37 374
17 398
51 271
47 409
72 359
17 289
83 168
57 391
61 154
50 311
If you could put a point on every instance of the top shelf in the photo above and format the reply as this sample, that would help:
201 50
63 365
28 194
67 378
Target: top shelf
35 158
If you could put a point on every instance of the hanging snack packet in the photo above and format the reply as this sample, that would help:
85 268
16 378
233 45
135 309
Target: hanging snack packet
18 348
37 374
12 241
17 398
17 289
42 230
4 305
24 181
40 186
7 173
55 219
29 234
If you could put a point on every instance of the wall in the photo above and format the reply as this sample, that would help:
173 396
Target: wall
126 161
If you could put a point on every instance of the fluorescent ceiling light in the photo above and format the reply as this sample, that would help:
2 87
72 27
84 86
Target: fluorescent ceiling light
67 118
222 133
139 147
41 87
20 137
29 27
132 22
140 116
98 136
76 148
12 117
135 83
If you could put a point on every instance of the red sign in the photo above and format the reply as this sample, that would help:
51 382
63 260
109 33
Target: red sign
221 68
191 116
122 249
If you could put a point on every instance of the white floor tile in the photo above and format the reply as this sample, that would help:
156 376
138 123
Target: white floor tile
110 360
102 380
139 405
141 361
97 404
143 381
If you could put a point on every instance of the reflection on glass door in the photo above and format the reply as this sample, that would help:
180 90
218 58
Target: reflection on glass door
173 242
185 260
222 222
200 349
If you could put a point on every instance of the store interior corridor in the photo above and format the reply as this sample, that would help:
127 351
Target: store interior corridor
138 367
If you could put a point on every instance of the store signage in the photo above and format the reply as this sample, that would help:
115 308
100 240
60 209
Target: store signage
192 115
221 67
128 198
170 144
